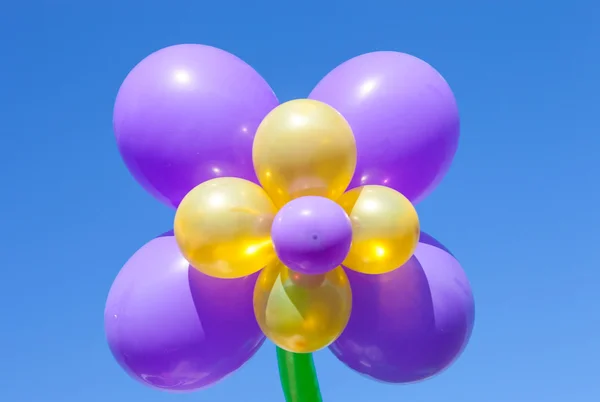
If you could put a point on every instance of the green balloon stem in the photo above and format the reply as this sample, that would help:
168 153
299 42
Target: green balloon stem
298 377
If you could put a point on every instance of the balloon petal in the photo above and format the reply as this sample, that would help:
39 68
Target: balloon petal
302 313
187 114
411 323
223 227
304 147
173 328
385 229
403 115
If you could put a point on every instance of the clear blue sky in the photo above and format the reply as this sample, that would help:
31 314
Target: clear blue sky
519 207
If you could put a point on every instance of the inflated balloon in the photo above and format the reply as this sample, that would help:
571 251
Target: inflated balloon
411 323
223 227
385 229
403 115
298 376
304 147
312 235
302 313
173 328
187 114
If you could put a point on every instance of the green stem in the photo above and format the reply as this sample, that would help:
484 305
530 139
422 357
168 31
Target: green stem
298 377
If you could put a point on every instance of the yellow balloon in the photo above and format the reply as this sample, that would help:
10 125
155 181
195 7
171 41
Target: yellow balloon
385 229
223 227
302 313
304 147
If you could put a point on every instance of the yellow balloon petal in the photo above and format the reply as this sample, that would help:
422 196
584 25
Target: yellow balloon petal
302 313
223 227
304 147
385 229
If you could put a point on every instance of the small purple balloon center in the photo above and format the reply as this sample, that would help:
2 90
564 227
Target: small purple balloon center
312 235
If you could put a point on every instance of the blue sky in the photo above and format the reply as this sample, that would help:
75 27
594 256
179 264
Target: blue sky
518 208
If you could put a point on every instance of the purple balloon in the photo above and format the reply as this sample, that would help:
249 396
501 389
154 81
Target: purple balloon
187 114
403 115
312 235
411 323
173 328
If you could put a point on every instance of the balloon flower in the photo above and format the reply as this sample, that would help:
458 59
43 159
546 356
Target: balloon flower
294 222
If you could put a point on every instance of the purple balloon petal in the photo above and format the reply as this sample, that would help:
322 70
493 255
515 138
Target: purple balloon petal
187 114
428 239
411 323
403 115
173 328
